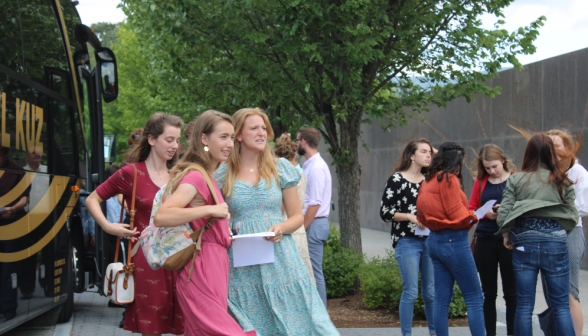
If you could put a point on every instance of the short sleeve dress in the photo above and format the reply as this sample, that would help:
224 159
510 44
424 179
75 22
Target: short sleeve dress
155 309
204 297
278 298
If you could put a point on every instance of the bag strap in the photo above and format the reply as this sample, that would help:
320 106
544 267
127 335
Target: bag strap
132 212
210 221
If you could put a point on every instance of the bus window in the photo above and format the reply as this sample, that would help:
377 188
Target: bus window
41 50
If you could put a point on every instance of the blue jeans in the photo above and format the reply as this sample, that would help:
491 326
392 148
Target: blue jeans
411 255
453 261
316 235
553 260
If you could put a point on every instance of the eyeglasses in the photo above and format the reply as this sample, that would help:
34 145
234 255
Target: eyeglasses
296 141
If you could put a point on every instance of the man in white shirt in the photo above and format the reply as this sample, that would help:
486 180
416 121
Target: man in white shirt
40 183
316 202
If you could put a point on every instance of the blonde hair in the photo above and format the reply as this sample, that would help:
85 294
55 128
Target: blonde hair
265 163
196 155
285 147
572 147
490 152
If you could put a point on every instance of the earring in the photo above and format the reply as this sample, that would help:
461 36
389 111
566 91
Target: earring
206 148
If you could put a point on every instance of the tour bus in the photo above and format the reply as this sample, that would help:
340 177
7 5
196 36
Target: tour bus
54 76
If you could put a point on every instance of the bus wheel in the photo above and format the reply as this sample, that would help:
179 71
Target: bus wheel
67 307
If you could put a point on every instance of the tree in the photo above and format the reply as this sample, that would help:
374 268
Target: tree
333 63
106 32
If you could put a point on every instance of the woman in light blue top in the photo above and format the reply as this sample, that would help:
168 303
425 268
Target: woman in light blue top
277 298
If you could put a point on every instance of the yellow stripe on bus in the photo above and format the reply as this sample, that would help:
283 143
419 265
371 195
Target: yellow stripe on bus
20 255
72 66
41 211
18 190
1 173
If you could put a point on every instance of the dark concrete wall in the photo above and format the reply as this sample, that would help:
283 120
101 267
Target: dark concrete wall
545 95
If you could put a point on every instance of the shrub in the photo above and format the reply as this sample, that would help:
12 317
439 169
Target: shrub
340 266
380 281
457 307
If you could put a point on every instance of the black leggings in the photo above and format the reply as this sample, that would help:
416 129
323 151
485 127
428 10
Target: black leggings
490 254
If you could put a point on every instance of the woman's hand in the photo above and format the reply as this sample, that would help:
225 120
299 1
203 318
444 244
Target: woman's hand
506 241
413 219
491 214
231 239
8 212
219 211
121 230
277 229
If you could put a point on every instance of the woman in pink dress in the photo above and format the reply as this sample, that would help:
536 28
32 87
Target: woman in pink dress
204 297
155 310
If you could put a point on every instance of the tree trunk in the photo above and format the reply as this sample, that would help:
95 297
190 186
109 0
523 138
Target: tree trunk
348 174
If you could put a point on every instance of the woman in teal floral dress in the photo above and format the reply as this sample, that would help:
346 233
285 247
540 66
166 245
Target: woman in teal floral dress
278 298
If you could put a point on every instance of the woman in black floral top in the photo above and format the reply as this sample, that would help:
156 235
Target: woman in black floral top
399 207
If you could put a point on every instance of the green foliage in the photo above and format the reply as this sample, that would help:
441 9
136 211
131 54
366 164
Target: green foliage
381 281
106 32
326 63
457 307
340 266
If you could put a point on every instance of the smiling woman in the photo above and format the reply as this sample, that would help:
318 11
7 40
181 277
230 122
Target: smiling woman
155 155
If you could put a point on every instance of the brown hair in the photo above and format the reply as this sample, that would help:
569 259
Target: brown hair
448 160
110 170
196 155
541 152
188 130
404 161
266 163
490 152
572 148
311 135
135 136
285 147
154 127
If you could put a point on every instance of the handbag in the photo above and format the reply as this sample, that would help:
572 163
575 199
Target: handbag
119 279
174 247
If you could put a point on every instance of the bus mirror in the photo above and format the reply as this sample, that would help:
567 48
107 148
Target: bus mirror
107 71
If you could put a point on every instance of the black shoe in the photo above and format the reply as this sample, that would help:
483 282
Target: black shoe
9 316
114 305
27 296
122 323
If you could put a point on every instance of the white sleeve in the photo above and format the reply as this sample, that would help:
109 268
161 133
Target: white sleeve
580 179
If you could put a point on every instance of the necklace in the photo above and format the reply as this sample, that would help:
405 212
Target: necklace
156 172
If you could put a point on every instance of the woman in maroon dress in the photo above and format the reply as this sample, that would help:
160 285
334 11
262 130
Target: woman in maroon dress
155 309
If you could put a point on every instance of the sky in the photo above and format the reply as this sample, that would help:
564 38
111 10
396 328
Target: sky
565 30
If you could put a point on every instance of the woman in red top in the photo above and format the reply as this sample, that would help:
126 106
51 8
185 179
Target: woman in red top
443 208
493 168
155 310
204 299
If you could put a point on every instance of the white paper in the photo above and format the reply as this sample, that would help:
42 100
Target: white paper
259 234
252 249
419 232
521 248
481 212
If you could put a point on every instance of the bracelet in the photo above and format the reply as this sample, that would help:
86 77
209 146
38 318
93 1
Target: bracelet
406 217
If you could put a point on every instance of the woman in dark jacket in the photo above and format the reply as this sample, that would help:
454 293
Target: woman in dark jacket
492 169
